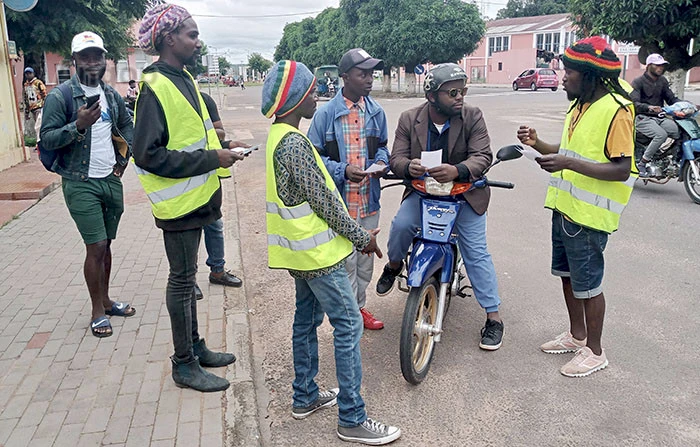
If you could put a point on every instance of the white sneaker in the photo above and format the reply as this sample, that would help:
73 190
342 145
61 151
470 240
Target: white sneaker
585 363
565 342
370 432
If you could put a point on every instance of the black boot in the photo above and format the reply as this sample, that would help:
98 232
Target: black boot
209 358
191 375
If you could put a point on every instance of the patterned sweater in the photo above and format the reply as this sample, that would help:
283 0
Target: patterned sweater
299 179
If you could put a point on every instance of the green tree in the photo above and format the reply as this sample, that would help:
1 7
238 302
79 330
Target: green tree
529 8
661 26
258 63
51 25
224 65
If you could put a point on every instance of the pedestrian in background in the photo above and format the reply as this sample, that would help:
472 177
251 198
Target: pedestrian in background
178 158
94 149
310 233
34 96
351 135
588 190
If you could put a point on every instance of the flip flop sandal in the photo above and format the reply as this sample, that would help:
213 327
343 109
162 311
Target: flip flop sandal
99 323
120 310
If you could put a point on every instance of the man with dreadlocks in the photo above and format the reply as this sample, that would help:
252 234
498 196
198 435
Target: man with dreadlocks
589 187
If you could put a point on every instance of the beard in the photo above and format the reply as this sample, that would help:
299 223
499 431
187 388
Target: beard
447 111
571 96
90 79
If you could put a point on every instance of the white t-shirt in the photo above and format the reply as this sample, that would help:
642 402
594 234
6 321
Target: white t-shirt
102 157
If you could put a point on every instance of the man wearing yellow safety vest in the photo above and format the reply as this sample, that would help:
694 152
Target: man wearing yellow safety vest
310 233
178 158
588 190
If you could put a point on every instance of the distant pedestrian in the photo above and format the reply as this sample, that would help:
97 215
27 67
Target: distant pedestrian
131 94
588 190
242 84
95 147
178 158
34 96
310 233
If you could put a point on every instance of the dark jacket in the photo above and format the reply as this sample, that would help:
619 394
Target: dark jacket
150 153
73 162
649 92
326 133
468 145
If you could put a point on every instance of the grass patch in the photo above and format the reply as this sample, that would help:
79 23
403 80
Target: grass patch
30 141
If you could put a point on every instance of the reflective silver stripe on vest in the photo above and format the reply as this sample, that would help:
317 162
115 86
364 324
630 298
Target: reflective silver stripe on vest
575 155
303 244
140 171
201 144
208 124
180 188
302 210
586 196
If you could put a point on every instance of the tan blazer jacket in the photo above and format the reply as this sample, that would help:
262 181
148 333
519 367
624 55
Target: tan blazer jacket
468 144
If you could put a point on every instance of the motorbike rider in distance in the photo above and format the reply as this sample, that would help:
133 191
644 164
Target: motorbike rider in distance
445 122
650 92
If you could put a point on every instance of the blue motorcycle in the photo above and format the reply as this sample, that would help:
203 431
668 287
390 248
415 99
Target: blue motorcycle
435 267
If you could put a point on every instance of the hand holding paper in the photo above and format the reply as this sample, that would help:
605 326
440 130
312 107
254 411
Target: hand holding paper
431 159
375 168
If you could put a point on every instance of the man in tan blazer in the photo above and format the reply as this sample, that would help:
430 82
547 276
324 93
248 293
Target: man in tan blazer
445 122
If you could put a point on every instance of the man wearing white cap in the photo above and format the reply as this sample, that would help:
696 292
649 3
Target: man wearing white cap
651 90
87 128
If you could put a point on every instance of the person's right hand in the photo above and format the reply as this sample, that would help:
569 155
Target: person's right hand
527 135
228 157
655 109
354 173
416 169
88 116
372 247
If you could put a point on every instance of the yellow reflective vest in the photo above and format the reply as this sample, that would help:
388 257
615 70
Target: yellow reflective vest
587 201
172 198
297 238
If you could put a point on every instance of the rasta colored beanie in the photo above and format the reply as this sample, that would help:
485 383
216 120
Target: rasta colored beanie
593 55
158 21
286 85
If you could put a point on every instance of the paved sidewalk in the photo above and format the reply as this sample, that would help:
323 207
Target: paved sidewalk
60 386
22 185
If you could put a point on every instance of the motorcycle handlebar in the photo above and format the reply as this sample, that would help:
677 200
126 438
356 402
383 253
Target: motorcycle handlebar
497 184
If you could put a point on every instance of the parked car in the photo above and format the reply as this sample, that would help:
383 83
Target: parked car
231 82
535 78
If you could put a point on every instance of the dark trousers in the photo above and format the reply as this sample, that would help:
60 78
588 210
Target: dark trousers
181 248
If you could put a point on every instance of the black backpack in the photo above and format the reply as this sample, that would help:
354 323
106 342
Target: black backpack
49 157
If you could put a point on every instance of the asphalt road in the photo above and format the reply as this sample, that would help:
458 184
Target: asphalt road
516 395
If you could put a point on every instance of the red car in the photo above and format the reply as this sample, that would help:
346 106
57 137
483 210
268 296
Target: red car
535 78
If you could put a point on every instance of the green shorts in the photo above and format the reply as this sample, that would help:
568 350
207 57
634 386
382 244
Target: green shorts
96 206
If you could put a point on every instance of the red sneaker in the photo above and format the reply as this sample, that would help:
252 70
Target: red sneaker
371 323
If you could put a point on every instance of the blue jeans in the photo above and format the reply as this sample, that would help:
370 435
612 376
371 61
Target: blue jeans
214 241
471 230
333 295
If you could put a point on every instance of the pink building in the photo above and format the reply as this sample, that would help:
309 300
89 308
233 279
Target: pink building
511 46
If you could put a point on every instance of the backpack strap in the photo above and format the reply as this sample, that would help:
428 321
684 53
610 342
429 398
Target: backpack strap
68 100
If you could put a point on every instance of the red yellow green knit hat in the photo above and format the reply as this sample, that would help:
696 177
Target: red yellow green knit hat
286 85
593 55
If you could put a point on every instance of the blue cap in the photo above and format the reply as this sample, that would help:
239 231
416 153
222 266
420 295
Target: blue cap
29 70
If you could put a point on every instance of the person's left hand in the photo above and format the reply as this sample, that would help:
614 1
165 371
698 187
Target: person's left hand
553 162
444 173
233 144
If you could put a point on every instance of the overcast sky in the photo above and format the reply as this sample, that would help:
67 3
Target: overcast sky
240 27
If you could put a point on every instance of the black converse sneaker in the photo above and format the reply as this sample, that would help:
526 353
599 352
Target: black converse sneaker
370 432
325 399
491 335
385 284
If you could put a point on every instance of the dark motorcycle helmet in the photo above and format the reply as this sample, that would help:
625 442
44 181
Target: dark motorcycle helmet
442 73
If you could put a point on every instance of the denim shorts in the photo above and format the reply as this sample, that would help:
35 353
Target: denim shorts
577 253
95 206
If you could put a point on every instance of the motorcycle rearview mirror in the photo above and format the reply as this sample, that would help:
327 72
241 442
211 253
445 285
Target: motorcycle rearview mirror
510 152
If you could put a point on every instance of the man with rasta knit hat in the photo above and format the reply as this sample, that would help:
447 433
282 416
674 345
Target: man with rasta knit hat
310 233
588 190
178 161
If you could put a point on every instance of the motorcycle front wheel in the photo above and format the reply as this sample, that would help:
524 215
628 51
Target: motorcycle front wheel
692 184
417 343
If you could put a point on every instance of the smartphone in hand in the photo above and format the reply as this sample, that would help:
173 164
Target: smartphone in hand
246 150
91 100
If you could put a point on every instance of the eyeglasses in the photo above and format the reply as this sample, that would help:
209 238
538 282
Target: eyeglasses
453 91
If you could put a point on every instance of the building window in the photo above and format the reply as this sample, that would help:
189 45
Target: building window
498 44
142 61
551 42
569 39
123 70
63 74
500 66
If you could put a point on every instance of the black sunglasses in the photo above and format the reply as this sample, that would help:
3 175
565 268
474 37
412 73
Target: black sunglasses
453 91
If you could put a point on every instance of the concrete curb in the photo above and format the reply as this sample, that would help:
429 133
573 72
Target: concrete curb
241 418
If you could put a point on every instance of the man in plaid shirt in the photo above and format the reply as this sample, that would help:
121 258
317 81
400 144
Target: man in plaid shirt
350 133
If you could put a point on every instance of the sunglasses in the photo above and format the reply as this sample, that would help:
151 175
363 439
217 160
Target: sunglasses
454 91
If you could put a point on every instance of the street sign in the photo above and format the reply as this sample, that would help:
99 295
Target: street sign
627 48
419 69
21 5
12 49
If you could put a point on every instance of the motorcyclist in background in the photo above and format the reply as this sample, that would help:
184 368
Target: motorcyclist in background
650 92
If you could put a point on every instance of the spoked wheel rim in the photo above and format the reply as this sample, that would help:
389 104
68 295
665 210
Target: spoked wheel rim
423 341
692 183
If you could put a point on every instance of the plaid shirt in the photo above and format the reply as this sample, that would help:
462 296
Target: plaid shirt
354 135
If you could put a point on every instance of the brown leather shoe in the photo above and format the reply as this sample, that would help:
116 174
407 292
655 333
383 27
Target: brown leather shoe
369 321
226 278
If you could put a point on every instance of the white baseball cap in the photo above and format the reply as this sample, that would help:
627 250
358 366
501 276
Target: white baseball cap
85 40
656 59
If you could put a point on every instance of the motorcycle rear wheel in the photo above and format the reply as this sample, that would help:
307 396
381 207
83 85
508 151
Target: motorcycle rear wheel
417 344
692 184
